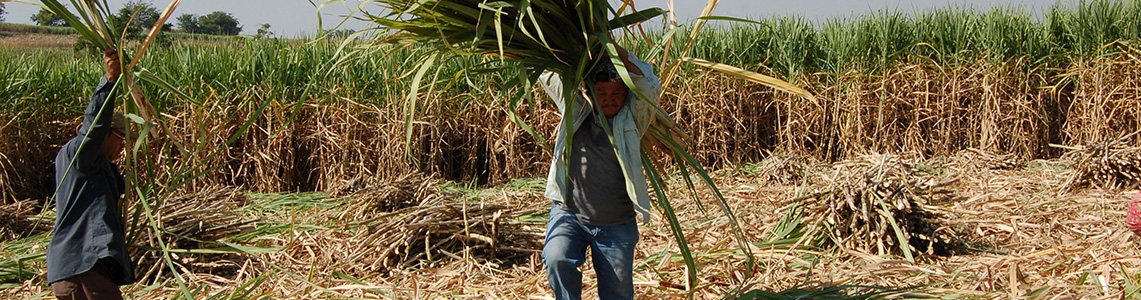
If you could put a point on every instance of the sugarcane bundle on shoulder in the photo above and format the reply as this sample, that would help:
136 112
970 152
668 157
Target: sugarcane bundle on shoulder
560 35
599 172
565 37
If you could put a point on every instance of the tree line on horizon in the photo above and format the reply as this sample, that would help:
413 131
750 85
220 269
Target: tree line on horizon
214 23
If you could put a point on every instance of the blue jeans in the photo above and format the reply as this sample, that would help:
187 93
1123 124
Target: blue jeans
611 247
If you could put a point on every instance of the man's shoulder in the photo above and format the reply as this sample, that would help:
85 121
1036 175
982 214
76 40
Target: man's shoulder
68 149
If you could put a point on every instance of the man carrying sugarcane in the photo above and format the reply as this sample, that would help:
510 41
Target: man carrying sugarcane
87 256
597 205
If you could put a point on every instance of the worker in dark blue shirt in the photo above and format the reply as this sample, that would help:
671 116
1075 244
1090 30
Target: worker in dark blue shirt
87 257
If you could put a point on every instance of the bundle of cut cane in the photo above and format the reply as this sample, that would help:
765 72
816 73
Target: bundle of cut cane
411 222
882 204
979 159
407 191
568 37
783 169
207 215
443 226
18 220
1113 164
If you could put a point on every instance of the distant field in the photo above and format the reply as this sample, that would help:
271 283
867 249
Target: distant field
22 40
24 28
22 36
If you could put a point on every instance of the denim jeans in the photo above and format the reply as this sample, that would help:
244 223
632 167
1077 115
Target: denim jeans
611 247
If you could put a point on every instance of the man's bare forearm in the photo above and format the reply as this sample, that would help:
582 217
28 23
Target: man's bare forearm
625 56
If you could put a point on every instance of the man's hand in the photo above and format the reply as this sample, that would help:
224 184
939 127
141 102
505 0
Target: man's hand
111 60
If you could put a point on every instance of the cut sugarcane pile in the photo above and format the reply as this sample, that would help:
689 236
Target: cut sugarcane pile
205 216
18 219
407 191
978 159
189 224
410 222
1110 165
784 169
881 204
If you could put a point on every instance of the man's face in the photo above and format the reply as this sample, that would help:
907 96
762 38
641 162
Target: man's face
611 96
113 147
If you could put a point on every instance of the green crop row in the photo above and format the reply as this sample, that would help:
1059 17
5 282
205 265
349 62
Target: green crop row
790 48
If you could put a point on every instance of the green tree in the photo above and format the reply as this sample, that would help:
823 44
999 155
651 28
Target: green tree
45 17
188 23
219 23
2 12
145 15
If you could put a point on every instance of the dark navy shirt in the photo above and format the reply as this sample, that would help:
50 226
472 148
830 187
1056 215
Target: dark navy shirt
88 228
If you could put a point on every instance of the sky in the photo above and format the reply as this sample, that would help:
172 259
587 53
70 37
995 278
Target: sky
291 18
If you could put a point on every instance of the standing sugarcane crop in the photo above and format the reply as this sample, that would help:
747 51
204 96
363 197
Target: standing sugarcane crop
598 202
87 256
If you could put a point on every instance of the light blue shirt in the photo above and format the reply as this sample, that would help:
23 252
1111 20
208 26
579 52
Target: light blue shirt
627 134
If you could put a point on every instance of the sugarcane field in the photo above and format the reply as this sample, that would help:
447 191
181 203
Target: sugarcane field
951 153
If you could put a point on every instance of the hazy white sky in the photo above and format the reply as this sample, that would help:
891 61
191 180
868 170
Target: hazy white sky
292 17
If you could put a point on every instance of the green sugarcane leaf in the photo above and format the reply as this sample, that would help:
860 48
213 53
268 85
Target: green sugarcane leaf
742 240
692 188
496 5
763 295
143 134
94 16
635 18
145 75
483 24
413 96
675 226
523 84
86 31
529 14
657 49
732 19
904 245
29 2
788 224
492 15
243 291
